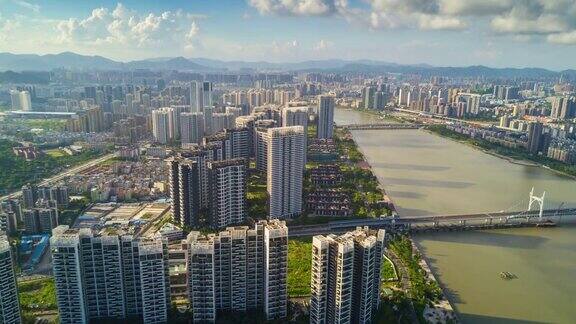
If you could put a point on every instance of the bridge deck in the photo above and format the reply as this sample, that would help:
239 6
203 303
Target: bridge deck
451 222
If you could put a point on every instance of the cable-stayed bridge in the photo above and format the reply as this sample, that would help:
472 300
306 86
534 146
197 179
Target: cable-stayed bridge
536 214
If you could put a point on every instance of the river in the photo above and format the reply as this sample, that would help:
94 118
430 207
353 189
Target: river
425 174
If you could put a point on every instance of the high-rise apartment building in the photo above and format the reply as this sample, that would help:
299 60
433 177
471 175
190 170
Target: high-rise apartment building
109 276
239 269
177 111
25 101
200 96
195 100
346 276
285 167
260 142
190 183
192 127
295 116
325 128
535 130
208 120
9 304
563 108
8 222
40 220
227 180
162 125
472 101
235 143
174 183
368 97
15 99
206 91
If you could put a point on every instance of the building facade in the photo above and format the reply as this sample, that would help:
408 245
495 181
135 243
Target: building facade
285 167
239 269
345 281
109 276
227 192
325 128
9 304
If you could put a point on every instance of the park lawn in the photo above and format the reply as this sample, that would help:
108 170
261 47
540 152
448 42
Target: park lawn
46 124
257 196
299 266
37 295
55 153
388 271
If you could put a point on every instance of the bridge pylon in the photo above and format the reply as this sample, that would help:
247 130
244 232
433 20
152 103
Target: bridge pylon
539 200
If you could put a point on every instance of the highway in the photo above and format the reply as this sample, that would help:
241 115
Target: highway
65 174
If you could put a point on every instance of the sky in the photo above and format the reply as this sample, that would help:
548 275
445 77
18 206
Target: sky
497 33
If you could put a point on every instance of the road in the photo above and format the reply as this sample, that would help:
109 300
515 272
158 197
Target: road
65 174
346 225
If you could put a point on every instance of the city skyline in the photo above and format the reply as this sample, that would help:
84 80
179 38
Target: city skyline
439 32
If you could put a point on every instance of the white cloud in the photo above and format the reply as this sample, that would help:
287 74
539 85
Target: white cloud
27 5
294 7
7 28
555 19
474 7
122 27
568 38
530 19
435 22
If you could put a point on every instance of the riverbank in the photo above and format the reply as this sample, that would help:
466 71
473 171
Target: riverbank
428 301
514 156
348 146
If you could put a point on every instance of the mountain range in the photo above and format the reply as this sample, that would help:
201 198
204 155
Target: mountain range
69 60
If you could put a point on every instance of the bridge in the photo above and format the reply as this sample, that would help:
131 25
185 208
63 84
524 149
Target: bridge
375 126
530 217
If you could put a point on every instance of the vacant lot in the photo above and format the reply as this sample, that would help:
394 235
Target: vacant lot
299 266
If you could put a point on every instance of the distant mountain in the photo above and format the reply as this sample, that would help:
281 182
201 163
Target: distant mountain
469 71
177 63
298 66
32 62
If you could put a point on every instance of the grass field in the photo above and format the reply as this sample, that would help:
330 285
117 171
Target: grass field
388 271
55 153
37 296
299 266
256 196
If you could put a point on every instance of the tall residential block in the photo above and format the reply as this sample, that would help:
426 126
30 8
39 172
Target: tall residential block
285 168
227 181
103 276
189 183
40 220
192 127
534 144
325 117
162 125
9 304
239 269
345 283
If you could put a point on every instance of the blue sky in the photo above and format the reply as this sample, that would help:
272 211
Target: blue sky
517 33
